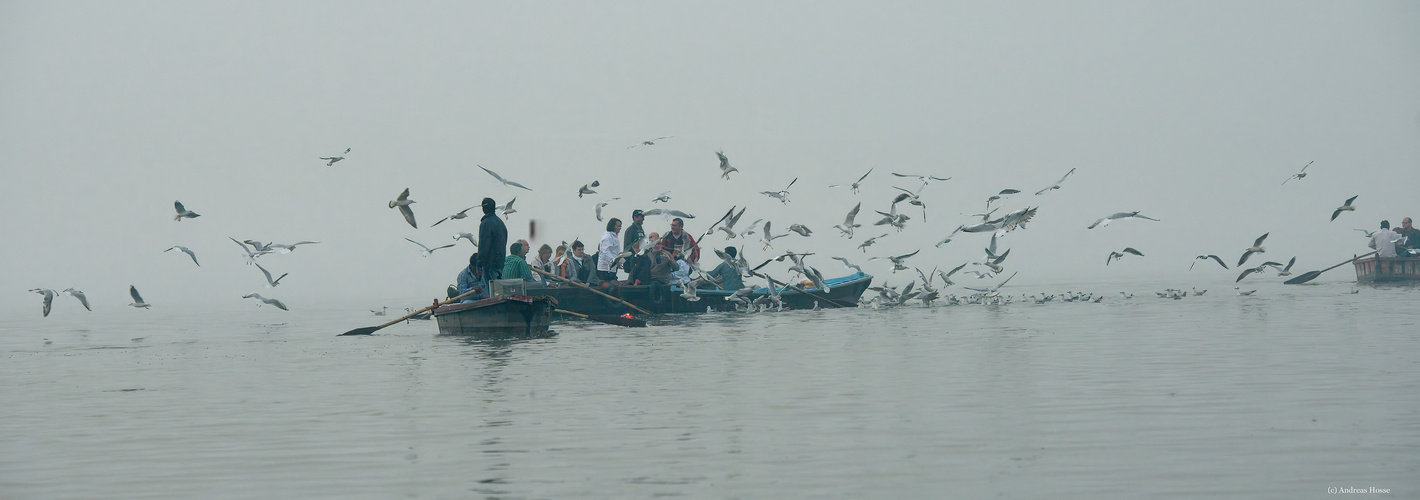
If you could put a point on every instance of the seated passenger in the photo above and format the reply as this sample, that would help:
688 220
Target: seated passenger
470 278
543 261
516 265
726 274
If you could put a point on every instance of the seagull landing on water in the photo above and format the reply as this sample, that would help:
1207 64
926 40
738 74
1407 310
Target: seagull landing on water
403 203
183 212
650 142
462 214
854 186
137 299
273 302
587 188
1057 183
1113 256
505 182
1345 207
185 250
1206 257
336 158
725 167
1104 221
425 249
1242 293
1299 175
1255 248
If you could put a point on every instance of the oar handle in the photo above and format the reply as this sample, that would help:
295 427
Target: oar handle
1353 259
585 287
577 314
435 304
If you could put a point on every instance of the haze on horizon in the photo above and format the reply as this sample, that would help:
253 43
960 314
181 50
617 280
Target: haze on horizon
1191 113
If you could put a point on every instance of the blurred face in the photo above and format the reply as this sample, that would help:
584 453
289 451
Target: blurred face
1405 223
544 254
638 219
618 227
579 252
676 227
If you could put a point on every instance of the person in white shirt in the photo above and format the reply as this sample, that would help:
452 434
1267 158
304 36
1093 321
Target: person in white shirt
608 249
1383 241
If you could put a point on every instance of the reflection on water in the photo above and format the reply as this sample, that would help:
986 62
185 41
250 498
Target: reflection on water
1277 395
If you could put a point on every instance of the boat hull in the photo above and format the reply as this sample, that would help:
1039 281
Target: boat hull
661 299
501 318
1383 270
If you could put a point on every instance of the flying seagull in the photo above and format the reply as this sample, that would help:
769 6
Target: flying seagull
664 197
505 182
868 242
462 214
467 236
783 194
924 178
507 208
137 299
948 239
48 298
667 213
1113 256
185 250
1347 207
285 249
897 261
854 186
1206 257
273 302
1057 183
848 265
729 227
725 167
1257 269
650 142
1287 271
801 229
1255 248
1104 221
601 205
587 188
1298 175
997 196
270 283
847 227
250 255
426 250
183 212
334 159
78 295
403 203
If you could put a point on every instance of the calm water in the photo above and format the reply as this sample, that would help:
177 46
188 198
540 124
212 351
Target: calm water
1279 395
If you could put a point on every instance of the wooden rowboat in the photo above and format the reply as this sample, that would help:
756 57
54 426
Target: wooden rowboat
497 318
1387 270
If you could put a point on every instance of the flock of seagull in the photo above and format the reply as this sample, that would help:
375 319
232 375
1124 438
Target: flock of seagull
990 265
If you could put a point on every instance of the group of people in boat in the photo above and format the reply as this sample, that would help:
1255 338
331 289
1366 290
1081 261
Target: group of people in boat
646 258
1401 242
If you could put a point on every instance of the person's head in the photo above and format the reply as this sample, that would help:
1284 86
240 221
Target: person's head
544 251
561 250
637 216
1405 223
516 248
489 205
473 262
1385 224
579 249
613 225
677 225
730 251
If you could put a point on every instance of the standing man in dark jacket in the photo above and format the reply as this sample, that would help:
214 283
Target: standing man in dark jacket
492 242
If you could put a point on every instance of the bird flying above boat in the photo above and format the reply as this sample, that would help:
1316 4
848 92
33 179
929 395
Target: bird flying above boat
185 250
1057 183
898 261
403 202
650 142
1104 221
766 237
1255 248
854 186
270 283
847 264
1206 257
78 295
847 226
868 242
460 215
426 250
336 158
587 188
725 167
183 213
783 194
1345 207
137 299
505 182
1298 175
1113 256
273 302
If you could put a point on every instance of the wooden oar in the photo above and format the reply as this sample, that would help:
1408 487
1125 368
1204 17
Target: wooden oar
565 280
372 329
1311 275
608 319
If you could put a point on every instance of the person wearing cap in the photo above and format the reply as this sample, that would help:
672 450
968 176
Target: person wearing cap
1411 234
726 274
494 237
1383 241
636 231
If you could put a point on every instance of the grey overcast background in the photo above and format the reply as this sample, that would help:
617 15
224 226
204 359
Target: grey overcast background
1191 112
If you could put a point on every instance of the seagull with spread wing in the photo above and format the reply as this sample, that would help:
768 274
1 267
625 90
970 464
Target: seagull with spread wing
1298 175
650 142
336 158
462 214
1345 207
505 182
1113 256
725 167
425 249
1104 221
1057 183
273 302
847 226
854 186
1206 257
403 203
185 250
183 212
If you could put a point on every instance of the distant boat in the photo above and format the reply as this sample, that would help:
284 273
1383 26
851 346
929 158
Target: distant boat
662 299
1388 270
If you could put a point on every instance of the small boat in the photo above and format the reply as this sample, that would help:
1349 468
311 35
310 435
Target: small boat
662 299
1388 270
516 316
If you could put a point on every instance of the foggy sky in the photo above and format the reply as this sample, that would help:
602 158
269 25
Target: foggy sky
1193 113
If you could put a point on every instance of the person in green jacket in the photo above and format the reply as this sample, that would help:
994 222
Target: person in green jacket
516 264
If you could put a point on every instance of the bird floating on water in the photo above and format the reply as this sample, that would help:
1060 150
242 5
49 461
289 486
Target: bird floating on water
183 212
1240 292
403 203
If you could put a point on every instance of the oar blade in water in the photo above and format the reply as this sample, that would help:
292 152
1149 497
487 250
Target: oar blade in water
618 320
1305 277
360 331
